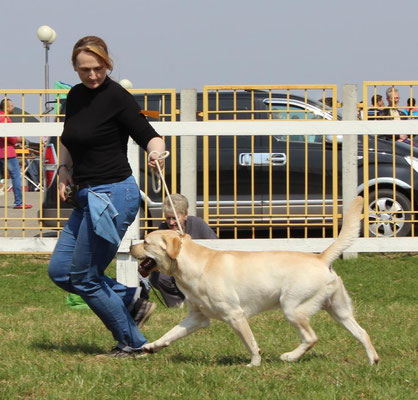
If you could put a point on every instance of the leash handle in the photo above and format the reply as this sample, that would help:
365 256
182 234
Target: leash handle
156 181
162 156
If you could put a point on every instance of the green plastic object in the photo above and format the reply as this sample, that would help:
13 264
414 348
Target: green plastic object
76 302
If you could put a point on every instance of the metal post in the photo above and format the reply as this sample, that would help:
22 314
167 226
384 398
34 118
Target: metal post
47 36
349 153
126 265
46 78
188 159
46 66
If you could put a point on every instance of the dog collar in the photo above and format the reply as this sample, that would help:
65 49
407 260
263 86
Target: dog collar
173 262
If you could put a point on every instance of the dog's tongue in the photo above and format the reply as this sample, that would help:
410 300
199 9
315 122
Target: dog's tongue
146 266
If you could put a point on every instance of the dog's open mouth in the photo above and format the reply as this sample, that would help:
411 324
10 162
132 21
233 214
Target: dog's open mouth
146 266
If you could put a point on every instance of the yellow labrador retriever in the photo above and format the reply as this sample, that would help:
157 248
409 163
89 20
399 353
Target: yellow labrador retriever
232 286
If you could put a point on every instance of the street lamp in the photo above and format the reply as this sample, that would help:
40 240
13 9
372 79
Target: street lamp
47 36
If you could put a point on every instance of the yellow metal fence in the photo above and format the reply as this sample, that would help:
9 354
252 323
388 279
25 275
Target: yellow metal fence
382 101
270 186
47 214
271 194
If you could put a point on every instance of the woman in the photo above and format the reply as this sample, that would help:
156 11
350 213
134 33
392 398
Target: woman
9 152
100 116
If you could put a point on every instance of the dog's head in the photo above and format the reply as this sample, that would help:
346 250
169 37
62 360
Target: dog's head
158 251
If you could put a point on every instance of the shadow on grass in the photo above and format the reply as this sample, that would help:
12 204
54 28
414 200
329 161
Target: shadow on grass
68 348
306 358
236 360
226 360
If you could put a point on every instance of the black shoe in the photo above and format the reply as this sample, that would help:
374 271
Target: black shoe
119 353
142 311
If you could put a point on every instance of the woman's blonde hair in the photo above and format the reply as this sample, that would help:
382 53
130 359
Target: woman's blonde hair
181 204
94 45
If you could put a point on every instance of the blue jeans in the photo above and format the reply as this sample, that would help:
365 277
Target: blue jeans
14 171
81 257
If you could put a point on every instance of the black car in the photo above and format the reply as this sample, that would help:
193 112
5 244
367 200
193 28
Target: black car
283 181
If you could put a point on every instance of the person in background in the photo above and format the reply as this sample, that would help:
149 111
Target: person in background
392 111
360 110
376 104
411 110
9 152
195 227
96 178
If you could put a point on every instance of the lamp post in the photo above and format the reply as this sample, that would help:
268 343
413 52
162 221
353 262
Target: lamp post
47 36
126 83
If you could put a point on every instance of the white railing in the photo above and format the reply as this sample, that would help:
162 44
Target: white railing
241 128
127 266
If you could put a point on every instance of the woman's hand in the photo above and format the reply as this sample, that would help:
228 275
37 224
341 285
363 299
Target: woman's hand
64 176
153 159
155 149
64 179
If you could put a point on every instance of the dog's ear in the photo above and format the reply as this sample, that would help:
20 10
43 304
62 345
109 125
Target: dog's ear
173 246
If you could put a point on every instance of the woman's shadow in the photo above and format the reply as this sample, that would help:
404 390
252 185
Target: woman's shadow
70 348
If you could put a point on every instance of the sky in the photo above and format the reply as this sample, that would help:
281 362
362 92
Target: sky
185 44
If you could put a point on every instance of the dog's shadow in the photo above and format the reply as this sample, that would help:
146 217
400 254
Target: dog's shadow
225 360
236 360
88 349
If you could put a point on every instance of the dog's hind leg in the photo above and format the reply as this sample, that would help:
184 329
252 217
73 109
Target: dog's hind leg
340 309
240 325
194 321
298 313
301 322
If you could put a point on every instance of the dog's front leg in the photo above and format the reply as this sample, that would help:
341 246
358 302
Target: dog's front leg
240 325
194 321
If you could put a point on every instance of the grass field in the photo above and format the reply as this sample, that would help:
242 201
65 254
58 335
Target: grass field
49 351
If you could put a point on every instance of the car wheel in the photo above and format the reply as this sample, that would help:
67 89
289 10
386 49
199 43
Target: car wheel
387 214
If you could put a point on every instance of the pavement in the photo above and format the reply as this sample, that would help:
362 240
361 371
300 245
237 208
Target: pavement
21 223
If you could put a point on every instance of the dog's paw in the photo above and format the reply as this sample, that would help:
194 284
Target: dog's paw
148 348
251 365
375 361
255 362
153 347
288 357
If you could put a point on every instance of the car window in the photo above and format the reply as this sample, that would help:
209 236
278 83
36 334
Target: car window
290 112
284 111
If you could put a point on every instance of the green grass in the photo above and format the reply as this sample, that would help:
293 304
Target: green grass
49 351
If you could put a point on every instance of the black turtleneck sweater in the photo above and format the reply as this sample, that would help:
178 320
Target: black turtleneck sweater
97 125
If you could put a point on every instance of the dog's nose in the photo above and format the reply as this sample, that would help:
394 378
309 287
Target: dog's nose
132 249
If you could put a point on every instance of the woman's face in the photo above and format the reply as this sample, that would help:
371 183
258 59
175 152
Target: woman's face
170 220
10 107
91 69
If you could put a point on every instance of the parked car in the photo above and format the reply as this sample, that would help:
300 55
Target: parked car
299 176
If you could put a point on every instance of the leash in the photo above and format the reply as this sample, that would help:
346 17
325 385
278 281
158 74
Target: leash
156 186
146 285
156 182
157 296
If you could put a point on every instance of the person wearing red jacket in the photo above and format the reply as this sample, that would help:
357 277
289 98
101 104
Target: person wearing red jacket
7 151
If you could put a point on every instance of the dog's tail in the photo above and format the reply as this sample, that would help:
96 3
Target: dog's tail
349 232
